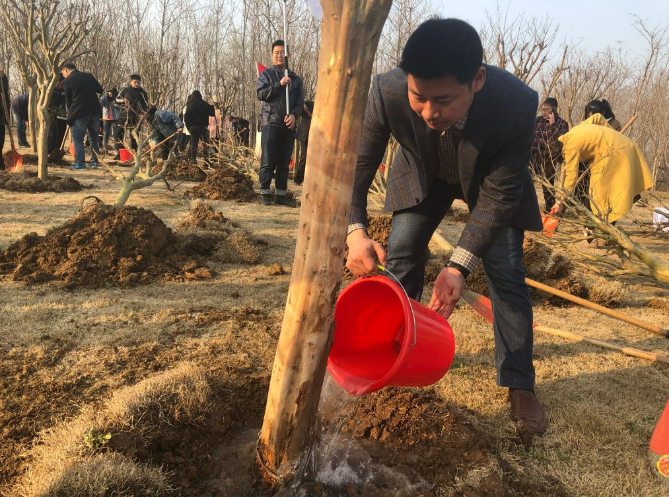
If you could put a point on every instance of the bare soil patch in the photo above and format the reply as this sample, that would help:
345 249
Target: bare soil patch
183 170
103 245
28 182
226 184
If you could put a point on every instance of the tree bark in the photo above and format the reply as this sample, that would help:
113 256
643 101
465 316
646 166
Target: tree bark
43 143
350 34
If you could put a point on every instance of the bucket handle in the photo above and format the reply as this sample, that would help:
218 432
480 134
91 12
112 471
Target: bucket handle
413 314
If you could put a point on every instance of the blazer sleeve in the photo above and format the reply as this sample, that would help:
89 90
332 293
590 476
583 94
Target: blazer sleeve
501 191
373 142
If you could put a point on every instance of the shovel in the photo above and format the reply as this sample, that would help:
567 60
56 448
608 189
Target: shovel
59 153
483 307
13 160
550 224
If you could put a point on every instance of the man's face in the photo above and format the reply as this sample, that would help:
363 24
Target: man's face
65 72
135 83
442 102
545 110
278 55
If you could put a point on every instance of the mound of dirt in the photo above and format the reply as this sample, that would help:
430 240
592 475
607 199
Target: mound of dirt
210 233
103 245
659 303
28 182
226 184
32 159
183 170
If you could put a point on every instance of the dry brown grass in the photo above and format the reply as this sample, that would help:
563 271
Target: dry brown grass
71 459
602 405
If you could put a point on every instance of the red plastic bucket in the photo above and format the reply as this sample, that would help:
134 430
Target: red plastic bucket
383 338
124 155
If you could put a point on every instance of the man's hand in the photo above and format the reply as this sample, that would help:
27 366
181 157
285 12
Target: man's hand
447 289
551 118
557 208
180 130
285 81
362 252
290 121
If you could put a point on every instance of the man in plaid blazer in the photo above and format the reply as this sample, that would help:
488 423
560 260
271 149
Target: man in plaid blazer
465 130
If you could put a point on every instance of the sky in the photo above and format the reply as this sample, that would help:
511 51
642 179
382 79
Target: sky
594 24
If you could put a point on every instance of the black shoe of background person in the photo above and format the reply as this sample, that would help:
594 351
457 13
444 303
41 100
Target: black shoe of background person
298 182
266 199
285 201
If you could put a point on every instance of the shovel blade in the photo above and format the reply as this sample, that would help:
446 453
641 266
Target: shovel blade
479 303
550 224
13 162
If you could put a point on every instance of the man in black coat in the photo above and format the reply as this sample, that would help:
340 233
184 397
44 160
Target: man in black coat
278 124
136 105
4 108
303 128
83 112
465 131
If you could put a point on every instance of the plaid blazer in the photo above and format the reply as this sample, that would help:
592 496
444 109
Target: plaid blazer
493 155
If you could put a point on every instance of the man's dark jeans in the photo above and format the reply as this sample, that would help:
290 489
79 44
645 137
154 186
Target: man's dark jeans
512 307
301 163
277 149
110 128
80 127
20 121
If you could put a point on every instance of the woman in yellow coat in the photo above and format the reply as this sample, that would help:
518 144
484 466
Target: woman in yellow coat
618 171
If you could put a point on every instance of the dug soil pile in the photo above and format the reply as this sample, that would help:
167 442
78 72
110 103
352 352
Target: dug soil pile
182 170
28 182
225 184
210 233
103 245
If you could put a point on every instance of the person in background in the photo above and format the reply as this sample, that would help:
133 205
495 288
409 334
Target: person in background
58 124
164 125
137 104
278 125
303 127
19 106
604 108
4 109
110 116
465 130
83 112
196 117
546 147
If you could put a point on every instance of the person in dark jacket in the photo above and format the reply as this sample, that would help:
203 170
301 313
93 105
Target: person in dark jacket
110 115
20 111
83 112
196 117
58 111
465 131
4 108
303 127
278 125
136 104
164 124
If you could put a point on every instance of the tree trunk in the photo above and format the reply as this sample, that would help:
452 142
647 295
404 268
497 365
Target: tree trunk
350 35
33 96
42 143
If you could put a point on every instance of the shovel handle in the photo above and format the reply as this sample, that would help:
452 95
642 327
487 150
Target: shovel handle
651 356
596 307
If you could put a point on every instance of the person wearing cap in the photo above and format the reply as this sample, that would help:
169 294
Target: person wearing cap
465 131
136 104
83 112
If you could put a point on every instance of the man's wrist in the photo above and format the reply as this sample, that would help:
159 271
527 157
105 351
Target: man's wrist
355 226
460 268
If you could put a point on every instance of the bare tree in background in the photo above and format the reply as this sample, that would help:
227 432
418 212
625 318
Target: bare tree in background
50 34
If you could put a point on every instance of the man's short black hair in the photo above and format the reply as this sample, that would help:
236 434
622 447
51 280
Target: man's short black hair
70 66
278 43
552 102
443 47
135 77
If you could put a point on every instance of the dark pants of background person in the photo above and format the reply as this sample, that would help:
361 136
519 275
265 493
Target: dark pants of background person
80 127
126 127
2 140
277 148
56 134
411 231
165 148
298 175
544 168
20 121
198 133
109 128
582 191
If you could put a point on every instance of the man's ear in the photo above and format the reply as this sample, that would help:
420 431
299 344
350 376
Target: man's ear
479 79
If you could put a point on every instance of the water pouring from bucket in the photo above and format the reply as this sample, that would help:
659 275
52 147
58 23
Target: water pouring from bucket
384 338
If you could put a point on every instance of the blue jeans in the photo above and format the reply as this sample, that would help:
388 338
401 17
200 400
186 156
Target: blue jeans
512 307
20 121
107 127
80 127
277 149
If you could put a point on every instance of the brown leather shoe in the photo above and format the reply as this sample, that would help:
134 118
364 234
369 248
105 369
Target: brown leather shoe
528 411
